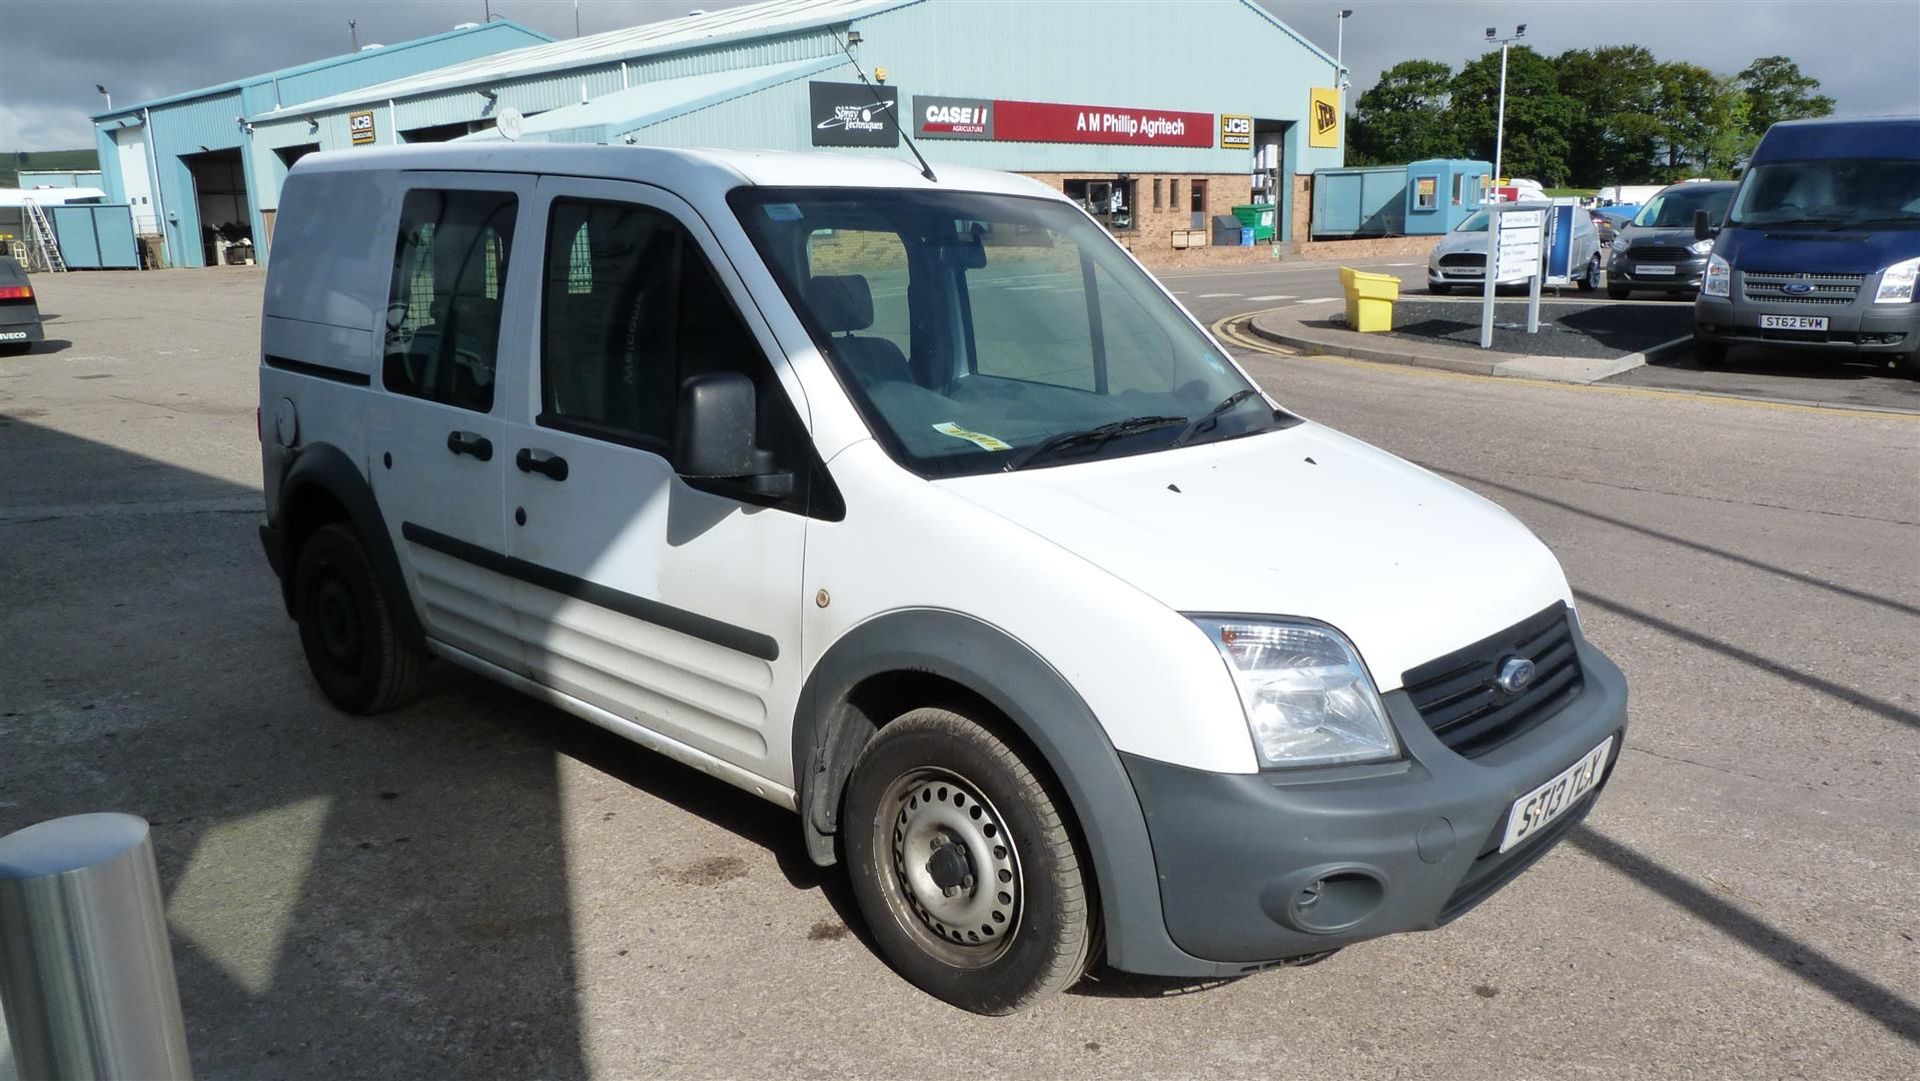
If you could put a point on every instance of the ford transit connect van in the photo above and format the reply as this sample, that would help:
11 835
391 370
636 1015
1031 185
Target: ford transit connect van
917 507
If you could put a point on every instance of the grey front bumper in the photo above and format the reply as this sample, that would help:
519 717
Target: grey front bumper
1409 845
1858 327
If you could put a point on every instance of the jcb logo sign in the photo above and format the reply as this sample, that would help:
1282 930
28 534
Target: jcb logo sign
360 127
1323 125
1236 132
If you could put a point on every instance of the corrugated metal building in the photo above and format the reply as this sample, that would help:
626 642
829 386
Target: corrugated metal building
1155 114
185 163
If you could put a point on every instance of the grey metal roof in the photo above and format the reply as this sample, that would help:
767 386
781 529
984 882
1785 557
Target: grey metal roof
609 116
667 35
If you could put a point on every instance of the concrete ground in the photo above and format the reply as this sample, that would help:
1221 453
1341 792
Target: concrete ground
1784 376
480 886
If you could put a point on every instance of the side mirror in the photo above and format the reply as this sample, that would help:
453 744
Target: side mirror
715 434
1702 225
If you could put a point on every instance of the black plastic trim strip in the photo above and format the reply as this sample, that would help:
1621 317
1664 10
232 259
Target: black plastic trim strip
691 624
318 371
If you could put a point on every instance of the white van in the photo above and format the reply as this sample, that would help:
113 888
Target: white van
918 507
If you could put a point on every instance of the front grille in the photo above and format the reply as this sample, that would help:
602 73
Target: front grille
1657 253
1823 288
1476 259
1457 696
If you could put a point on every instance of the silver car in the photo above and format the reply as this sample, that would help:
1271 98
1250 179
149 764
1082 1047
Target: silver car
1460 259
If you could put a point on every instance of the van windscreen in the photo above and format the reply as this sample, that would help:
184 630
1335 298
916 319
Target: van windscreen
979 332
1835 193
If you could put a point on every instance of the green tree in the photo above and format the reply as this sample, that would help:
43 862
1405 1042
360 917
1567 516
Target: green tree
1538 115
1701 121
1776 90
1404 116
1614 135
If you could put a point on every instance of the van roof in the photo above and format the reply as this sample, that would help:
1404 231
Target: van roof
674 167
1866 137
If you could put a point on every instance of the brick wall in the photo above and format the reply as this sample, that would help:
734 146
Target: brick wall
1379 247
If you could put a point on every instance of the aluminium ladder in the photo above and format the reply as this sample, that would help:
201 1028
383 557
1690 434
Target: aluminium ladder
42 236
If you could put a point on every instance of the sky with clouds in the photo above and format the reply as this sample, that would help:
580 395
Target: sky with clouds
1866 53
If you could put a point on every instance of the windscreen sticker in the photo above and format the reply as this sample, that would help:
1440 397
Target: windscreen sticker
984 442
1216 364
783 212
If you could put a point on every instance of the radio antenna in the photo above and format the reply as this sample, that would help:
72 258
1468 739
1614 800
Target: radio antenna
925 169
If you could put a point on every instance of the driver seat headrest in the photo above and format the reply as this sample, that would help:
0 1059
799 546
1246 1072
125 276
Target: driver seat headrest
843 303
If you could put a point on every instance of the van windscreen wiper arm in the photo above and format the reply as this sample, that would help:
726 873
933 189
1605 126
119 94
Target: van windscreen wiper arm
1097 436
1226 406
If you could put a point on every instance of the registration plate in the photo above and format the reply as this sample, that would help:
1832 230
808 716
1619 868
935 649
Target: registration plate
1534 810
1793 322
1653 269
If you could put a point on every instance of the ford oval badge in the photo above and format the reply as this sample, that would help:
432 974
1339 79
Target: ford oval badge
1515 675
1798 289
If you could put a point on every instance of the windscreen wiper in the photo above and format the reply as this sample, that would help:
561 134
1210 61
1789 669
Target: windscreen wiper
1213 415
1096 436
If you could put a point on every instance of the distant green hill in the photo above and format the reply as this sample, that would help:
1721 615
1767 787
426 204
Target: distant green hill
12 161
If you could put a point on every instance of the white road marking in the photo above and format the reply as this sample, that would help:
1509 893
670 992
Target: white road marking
1209 296
1271 296
1318 300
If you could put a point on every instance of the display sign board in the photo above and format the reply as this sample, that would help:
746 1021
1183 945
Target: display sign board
1519 246
952 118
360 128
1560 242
1236 132
854 114
1323 117
1048 122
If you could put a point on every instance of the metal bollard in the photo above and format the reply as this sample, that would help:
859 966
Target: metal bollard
86 975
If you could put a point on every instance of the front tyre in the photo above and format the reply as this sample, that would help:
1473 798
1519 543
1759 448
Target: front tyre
1591 279
1439 290
346 626
964 865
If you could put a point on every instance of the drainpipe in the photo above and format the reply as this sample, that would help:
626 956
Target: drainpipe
393 124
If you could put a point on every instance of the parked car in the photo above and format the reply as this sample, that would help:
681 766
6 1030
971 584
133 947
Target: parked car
1460 259
1069 642
19 309
1656 251
1602 227
1821 245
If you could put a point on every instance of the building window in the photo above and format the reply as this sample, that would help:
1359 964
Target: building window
1459 189
1173 193
1426 192
1156 193
1199 190
1109 200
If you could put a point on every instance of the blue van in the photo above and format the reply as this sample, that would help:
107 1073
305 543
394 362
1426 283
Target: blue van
1821 246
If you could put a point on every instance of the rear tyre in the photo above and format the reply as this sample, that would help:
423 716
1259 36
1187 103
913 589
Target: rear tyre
1618 292
1707 353
965 867
14 349
1591 279
1439 290
346 626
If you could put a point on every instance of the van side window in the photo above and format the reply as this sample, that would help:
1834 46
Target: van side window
443 306
630 309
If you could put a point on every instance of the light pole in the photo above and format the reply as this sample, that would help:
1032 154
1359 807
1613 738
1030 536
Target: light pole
1339 49
104 94
1500 125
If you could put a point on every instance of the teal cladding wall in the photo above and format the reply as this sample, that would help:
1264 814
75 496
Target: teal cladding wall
183 125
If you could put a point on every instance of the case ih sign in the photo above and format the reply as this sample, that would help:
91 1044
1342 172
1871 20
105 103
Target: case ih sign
1047 122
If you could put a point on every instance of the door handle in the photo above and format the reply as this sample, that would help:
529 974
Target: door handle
541 461
470 443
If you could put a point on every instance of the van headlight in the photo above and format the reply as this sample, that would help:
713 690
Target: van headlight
1897 283
1701 247
1719 279
1308 699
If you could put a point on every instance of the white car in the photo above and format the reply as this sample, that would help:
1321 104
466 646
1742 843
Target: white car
917 507
1459 261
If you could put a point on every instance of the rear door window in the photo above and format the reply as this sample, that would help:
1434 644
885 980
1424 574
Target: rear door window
444 302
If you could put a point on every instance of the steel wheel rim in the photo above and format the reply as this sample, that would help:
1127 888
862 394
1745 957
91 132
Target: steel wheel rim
941 834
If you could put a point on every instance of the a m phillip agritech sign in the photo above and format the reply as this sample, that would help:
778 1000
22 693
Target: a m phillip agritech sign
1048 122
